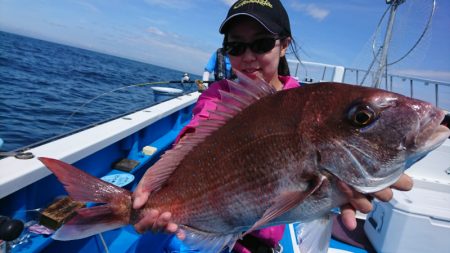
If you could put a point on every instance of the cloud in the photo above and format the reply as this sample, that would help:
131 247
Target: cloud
56 24
312 10
156 31
88 6
152 30
158 22
161 47
174 53
171 4
229 2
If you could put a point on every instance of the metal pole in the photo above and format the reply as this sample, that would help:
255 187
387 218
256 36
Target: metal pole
386 75
357 73
323 74
437 94
387 38
391 79
411 87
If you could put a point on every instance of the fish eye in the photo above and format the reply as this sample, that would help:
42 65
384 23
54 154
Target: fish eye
361 115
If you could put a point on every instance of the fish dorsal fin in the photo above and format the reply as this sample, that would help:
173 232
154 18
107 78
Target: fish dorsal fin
241 95
285 202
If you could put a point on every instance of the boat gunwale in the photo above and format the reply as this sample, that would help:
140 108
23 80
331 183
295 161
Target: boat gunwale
16 174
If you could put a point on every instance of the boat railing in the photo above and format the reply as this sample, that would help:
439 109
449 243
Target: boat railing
429 90
315 72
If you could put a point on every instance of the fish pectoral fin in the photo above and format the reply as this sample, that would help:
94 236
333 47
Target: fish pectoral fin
208 242
314 236
285 202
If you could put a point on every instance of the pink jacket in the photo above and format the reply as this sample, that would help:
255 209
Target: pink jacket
206 102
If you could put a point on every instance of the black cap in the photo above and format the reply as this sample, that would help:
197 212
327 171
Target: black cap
269 13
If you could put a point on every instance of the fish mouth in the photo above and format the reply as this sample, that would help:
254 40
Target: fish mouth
431 133
440 134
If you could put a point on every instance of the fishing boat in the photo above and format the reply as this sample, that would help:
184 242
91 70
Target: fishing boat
121 149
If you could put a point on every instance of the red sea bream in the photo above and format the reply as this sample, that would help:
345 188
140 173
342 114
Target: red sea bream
265 158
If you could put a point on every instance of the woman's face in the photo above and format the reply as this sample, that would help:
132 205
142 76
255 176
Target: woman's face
263 65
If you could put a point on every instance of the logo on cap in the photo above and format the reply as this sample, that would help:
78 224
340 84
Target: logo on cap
241 3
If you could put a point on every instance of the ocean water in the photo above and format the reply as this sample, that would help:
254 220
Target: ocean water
42 84
44 87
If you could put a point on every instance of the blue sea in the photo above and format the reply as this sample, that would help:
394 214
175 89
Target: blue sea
44 86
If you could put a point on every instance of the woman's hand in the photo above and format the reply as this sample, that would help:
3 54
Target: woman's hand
361 202
153 219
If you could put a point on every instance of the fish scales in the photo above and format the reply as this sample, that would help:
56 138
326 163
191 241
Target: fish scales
234 169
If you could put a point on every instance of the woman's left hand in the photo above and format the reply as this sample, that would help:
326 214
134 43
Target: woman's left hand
362 203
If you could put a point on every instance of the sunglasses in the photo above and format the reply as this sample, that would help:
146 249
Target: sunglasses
259 46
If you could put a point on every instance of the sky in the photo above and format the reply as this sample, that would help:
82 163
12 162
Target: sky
182 34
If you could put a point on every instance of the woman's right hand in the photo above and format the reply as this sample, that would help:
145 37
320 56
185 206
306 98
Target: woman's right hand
153 220
362 203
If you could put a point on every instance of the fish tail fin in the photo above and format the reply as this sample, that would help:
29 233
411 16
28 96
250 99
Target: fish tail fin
314 236
86 188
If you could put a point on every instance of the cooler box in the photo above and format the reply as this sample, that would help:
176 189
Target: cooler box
418 220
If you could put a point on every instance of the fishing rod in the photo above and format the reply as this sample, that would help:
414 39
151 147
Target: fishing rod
22 154
198 82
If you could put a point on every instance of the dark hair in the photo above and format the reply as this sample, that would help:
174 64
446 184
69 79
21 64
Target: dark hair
283 65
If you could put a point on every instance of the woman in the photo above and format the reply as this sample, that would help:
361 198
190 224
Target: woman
257 36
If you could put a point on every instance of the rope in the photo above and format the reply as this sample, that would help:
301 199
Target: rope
103 242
